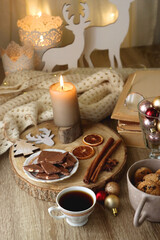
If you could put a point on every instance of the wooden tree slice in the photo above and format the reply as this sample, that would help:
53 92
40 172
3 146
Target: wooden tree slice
48 191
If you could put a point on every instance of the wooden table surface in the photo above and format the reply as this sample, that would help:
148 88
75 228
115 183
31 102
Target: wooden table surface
27 218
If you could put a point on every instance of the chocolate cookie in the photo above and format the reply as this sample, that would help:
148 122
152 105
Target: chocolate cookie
149 187
155 177
140 173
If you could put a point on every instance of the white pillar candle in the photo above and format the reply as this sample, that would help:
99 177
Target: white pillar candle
65 104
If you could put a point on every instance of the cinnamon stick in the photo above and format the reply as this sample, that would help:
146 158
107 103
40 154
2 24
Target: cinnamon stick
96 161
103 161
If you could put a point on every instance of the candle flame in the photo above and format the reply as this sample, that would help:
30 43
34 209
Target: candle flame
41 39
61 82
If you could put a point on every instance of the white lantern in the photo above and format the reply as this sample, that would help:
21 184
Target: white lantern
42 31
16 57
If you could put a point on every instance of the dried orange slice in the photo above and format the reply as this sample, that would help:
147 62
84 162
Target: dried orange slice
83 152
93 139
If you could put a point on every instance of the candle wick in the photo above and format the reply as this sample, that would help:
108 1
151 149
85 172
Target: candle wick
62 87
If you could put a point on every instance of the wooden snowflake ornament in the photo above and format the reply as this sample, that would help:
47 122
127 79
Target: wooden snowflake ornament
22 147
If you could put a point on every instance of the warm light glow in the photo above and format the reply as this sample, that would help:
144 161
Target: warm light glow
33 7
36 13
46 8
41 39
112 16
61 82
14 58
109 15
39 14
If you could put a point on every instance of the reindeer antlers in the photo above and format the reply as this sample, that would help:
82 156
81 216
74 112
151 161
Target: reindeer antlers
45 138
65 14
82 18
86 12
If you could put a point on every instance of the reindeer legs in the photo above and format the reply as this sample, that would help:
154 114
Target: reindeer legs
111 58
88 59
119 63
48 68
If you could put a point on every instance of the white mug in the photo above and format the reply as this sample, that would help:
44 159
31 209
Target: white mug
74 217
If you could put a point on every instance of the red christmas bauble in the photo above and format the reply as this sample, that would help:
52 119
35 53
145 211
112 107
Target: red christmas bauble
151 113
100 196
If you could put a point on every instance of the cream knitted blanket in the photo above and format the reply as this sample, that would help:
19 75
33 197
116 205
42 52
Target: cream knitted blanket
25 99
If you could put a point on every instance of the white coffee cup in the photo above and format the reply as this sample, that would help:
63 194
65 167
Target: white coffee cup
74 217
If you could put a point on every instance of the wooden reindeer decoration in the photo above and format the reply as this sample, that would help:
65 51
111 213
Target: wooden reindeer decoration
110 36
45 137
71 53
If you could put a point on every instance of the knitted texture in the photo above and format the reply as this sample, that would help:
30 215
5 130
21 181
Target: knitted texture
25 98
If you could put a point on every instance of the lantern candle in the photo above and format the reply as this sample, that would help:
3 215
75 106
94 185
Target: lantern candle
16 57
33 27
42 31
65 104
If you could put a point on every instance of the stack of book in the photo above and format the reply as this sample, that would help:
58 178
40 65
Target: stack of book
141 84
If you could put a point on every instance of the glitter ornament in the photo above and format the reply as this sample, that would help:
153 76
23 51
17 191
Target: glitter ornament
112 188
100 196
158 126
151 113
152 130
154 137
144 105
112 202
149 123
156 103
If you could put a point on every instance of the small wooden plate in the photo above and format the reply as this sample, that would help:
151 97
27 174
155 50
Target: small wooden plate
48 191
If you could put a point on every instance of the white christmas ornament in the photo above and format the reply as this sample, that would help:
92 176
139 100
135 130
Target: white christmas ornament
44 137
71 53
110 36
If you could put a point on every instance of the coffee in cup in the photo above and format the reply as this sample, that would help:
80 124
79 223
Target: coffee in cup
76 204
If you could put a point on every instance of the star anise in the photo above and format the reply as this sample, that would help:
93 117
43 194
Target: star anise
110 164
